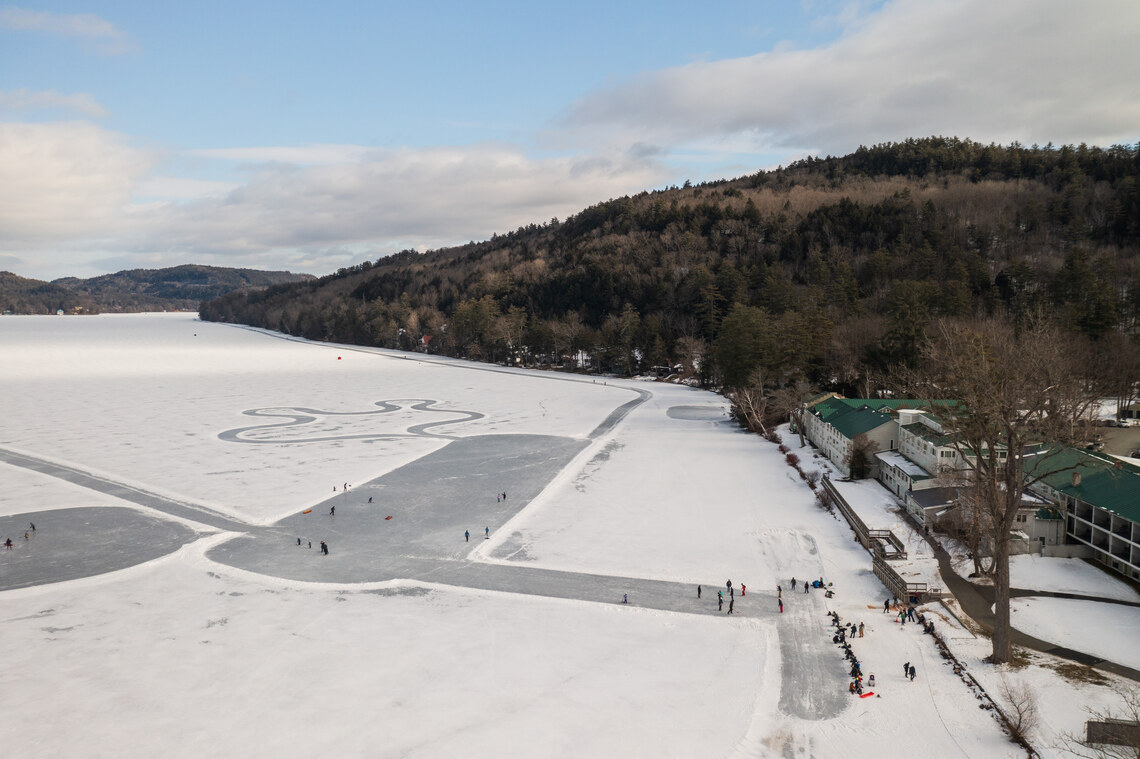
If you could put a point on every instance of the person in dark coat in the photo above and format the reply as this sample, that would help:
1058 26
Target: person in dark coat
467 536
912 673
698 591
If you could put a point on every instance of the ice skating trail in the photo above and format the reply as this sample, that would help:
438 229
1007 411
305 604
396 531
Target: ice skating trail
433 501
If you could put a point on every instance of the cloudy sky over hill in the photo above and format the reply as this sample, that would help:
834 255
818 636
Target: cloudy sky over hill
309 136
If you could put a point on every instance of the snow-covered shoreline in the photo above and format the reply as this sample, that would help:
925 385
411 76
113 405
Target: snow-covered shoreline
182 656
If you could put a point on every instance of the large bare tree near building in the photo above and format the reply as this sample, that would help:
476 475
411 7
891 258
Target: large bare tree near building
1017 398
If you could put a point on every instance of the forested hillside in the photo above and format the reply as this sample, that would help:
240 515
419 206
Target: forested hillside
827 271
178 288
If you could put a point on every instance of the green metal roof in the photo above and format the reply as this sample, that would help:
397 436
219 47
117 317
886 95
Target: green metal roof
926 433
857 421
827 409
1105 482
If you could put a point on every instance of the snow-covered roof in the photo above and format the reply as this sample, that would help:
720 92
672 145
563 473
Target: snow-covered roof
903 464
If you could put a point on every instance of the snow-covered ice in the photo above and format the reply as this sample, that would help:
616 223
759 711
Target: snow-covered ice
188 655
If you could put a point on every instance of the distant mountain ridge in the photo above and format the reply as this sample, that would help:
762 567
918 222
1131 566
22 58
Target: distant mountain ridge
178 288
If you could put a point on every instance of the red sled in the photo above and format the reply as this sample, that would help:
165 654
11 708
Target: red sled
868 694
387 518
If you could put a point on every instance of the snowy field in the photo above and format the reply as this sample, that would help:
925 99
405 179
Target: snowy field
1107 630
186 654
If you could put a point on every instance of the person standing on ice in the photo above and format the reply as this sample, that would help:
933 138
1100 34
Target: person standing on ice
324 548
886 605
486 533
779 592
719 597
911 673
32 525
860 629
698 592
731 603
906 669
332 511
781 602
793 583
467 536
743 589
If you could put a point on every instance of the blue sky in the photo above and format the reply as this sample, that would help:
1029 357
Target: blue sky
309 136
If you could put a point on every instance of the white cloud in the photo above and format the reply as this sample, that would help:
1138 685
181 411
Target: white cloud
64 181
1016 70
304 155
1028 70
181 188
70 195
27 100
394 198
102 34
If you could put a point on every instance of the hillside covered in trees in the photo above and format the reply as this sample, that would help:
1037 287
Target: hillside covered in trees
827 271
178 288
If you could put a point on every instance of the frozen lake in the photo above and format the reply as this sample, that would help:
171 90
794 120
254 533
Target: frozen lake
170 467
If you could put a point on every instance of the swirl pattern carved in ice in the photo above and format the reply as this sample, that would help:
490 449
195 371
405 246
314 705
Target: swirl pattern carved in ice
307 425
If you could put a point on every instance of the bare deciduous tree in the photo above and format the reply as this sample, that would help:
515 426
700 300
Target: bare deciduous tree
1127 715
859 461
789 403
750 405
1019 703
1011 401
